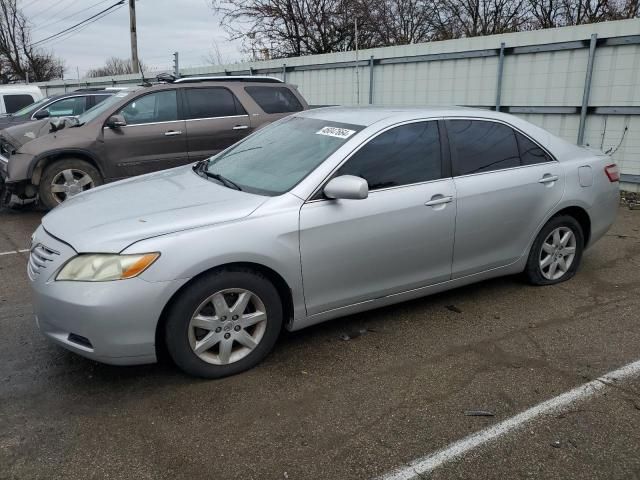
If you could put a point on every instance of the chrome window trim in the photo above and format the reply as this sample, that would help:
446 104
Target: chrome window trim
504 169
359 147
214 118
151 123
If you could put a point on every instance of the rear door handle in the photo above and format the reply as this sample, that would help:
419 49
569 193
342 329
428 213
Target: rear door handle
548 178
240 127
438 200
172 133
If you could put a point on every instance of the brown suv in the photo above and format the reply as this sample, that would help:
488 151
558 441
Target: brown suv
136 132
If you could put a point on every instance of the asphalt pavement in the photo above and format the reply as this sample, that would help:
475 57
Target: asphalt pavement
323 407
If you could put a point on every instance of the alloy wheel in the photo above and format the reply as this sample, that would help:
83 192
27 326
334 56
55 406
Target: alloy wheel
70 182
557 253
227 326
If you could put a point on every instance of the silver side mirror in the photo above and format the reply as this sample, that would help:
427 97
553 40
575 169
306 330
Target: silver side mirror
347 187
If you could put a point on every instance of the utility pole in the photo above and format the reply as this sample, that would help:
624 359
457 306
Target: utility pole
357 66
135 64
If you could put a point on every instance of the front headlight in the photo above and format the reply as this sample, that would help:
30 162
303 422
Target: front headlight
102 267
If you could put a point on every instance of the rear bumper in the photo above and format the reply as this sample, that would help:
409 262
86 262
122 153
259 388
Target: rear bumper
603 213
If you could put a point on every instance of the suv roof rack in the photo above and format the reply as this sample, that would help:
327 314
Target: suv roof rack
90 89
169 78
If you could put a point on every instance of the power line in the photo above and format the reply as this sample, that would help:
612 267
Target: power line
53 5
40 27
70 34
121 2
28 4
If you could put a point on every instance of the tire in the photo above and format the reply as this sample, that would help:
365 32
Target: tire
546 250
184 335
70 173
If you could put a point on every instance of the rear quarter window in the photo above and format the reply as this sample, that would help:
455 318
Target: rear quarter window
274 99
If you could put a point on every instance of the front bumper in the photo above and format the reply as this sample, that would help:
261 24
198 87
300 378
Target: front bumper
110 322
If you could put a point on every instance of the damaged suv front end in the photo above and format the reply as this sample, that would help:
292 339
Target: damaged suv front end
16 164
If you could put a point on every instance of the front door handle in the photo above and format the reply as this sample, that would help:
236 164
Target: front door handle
548 178
240 127
438 200
172 133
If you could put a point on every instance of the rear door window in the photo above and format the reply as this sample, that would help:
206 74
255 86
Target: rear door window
403 155
152 108
274 99
530 153
212 103
482 146
13 103
96 99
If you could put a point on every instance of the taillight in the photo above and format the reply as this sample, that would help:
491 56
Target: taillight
613 173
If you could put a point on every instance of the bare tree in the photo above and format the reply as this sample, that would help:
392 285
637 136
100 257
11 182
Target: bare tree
299 27
295 27
472 18
546 14
20 60
400 22
215 55
114 66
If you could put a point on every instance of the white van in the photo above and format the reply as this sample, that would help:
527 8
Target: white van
14 97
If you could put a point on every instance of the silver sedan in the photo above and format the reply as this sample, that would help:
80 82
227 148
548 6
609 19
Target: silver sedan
323 214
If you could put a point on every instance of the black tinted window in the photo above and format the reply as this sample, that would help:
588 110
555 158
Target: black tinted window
530 153
155 107
212 102
98 99
13 103
275 99
403 155
481 146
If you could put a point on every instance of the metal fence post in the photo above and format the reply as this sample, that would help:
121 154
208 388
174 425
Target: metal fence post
284 72
499 83
176 64
371 80
251 71
587 88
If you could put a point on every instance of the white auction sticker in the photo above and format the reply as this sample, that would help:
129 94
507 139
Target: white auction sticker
335 132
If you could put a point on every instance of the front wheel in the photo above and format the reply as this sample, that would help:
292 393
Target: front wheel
556 253
66 178
224 323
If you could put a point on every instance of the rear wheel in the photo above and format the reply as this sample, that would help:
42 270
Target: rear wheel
224 323
557 251
66 178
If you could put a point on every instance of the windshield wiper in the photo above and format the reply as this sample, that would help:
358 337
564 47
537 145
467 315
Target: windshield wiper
222 179
201 169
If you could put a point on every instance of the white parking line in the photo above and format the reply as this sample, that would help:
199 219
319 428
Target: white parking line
430 462
14 252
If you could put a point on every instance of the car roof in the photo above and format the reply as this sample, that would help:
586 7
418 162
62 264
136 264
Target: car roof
368 115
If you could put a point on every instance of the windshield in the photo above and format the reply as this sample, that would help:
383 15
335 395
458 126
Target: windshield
32 107
94 112
276 158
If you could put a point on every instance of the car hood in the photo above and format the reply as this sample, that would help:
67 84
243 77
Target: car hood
112 217
7 121
21 133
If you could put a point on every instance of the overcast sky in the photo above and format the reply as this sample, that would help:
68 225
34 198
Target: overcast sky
164 26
